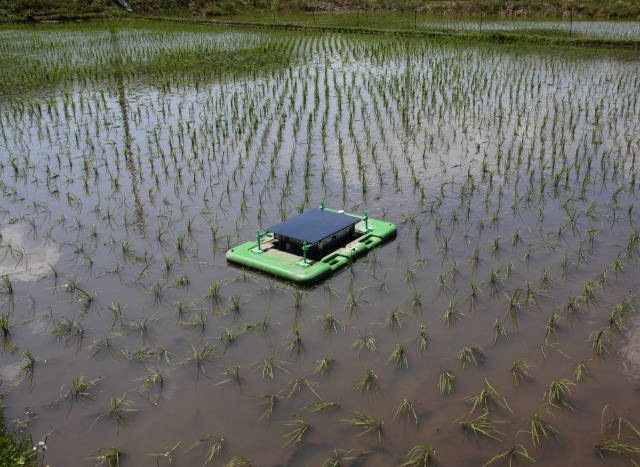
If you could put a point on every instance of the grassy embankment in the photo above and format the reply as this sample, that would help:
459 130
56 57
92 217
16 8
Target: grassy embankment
15 451
21 10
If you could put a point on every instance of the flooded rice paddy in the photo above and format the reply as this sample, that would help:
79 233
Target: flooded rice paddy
420 21
500 323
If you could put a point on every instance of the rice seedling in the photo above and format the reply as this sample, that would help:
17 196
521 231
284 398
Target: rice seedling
338 457
27 367
297 385
214 451
214 292
153 382
422 337
66 329
118 313
513 308
399 355
475 258
367 382
545 280
330 324
487 395
261 326
597 337
581 370
319 406
499 331
167 453
531 293
442 281
451 315
519 370
611 434
181 281
269 402
235 300
620 448
406 410
119 411
539 428
381 284
108 456
558 392
228 337
395 319
354 301
416 301
515 453
617 318
552 324
473 354
268 366
616 424
140 327
200 356
408 275
473 296
79 389
627 303
145 352
572 308
365 423
6 287
482 426
6 323
233 374
239 461
589 292
102 345
322 366
618 266
298 296
446 382
85 298
495 279
302 427
495 246
366 341
420 455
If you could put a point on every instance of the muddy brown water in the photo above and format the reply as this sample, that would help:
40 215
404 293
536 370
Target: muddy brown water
470 143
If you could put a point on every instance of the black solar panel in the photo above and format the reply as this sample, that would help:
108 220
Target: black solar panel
314 225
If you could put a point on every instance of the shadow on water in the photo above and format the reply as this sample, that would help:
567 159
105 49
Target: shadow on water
122 100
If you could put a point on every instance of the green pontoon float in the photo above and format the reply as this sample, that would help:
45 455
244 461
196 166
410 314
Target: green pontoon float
312 245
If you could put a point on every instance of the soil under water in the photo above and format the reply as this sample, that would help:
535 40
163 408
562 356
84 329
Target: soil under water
511 174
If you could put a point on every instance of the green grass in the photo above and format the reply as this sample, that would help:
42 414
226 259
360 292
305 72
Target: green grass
15 450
